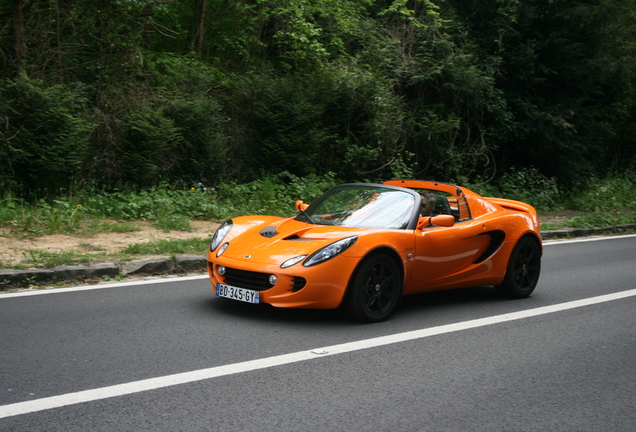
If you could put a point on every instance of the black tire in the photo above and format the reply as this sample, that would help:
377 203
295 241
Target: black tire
375 289
524 267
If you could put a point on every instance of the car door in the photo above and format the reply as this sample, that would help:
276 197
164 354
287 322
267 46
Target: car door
443 251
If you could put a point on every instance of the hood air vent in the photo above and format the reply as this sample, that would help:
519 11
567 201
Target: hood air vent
269 232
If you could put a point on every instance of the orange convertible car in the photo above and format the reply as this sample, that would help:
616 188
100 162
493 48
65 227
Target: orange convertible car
364 246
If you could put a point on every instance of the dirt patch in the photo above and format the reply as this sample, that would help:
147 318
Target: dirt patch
554 217
13 250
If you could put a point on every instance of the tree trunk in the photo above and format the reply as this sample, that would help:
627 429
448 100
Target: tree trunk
199 26
18 33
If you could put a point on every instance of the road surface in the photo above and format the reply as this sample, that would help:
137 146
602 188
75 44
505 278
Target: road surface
166 355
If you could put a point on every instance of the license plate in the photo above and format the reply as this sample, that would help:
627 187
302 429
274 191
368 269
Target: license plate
235 293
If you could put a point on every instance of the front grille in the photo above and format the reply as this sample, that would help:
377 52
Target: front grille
247 279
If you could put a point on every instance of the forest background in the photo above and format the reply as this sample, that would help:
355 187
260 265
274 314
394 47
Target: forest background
109 96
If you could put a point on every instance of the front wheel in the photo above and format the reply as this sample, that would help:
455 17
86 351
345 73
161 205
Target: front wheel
375 289
524 267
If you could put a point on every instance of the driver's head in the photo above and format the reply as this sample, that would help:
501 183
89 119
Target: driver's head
427 203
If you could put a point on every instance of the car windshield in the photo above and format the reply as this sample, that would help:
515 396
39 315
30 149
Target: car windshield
359 206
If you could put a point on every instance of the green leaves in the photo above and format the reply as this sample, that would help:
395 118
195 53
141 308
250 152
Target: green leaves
45 134
113 93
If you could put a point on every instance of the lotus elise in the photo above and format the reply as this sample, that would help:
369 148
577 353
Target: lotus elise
365 246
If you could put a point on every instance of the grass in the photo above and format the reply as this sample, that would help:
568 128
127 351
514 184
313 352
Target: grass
604 202
593 220
169 208
36 258
194 246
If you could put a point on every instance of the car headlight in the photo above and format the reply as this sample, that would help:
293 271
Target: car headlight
330 251
220 234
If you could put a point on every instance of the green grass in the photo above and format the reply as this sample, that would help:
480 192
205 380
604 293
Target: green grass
603 202
91 227
195 246
36 258
593 220
169 208
608 199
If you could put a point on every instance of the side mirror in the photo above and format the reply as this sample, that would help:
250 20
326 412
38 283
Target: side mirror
301 206
442 220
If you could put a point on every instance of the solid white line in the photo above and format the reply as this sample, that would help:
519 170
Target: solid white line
103 285
219 371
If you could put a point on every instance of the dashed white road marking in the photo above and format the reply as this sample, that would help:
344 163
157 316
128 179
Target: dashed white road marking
323 352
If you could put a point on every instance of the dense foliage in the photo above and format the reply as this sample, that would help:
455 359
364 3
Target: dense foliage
105 94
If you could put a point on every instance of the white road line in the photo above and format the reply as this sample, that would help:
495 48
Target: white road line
231 369
105 285
33 292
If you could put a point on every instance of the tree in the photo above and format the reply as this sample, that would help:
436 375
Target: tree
18 33
560 72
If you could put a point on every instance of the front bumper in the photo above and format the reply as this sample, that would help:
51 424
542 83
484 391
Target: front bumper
319 287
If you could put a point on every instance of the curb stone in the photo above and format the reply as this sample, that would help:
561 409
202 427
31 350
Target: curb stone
72 272
149 266
584 232
191 262
11 277
163 265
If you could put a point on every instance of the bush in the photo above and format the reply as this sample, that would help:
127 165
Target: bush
272 195
46 135
602 195
527 185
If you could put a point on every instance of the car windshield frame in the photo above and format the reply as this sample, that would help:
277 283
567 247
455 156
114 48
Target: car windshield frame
365 205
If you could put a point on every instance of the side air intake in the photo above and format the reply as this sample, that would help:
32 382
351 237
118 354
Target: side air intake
496 240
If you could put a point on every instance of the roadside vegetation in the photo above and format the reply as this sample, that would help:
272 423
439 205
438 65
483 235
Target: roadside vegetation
134 95
604 202
118 114
85 213
601 202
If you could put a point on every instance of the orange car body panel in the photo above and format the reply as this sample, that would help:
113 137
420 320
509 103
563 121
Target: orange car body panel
472 252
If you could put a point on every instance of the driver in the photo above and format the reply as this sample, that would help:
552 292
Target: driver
428 204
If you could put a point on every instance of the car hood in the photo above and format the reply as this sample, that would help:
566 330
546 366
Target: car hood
274 241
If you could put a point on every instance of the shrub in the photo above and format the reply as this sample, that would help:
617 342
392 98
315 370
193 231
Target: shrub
527 185
46 137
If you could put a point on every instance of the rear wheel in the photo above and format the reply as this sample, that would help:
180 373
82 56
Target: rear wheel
523 270
375 289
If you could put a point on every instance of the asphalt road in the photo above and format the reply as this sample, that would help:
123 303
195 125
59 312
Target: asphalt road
169 356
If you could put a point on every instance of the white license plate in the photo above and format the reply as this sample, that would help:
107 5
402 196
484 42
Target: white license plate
235 293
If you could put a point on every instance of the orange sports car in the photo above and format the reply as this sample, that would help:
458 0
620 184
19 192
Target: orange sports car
364 246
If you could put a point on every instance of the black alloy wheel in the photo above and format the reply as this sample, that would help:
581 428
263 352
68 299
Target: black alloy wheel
375 289
524 268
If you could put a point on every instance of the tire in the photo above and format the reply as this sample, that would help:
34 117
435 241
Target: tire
375 289
522 273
